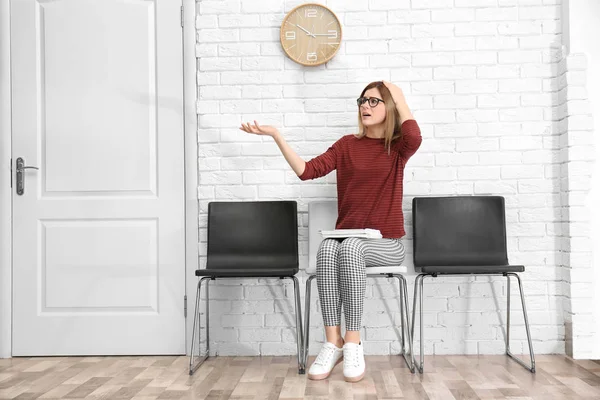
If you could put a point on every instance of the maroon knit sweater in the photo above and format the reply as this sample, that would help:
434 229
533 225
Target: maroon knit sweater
369 181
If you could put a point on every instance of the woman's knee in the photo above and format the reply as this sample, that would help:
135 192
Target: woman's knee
328 249
327 255
352 256
352 247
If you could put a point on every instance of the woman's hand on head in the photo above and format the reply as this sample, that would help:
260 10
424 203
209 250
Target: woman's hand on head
395 91
257 129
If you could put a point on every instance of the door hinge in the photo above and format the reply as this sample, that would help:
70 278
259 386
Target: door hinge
11 178
182 16
184 306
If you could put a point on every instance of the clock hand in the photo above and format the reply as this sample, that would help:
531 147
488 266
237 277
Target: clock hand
332 33
307 32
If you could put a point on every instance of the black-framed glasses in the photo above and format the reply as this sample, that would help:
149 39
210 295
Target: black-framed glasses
373 101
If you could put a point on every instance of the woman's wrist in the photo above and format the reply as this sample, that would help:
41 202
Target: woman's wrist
398 96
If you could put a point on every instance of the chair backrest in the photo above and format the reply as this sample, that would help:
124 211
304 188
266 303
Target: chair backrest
322 215
459 231
252 234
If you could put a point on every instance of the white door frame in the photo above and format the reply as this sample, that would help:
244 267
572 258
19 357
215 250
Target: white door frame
190 92
191 168
5 190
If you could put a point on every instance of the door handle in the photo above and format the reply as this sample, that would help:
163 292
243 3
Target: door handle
21 167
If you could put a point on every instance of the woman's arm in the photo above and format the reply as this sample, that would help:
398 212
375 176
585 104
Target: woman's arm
293 159
411 138
315 168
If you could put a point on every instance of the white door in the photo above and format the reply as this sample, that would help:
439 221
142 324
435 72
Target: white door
98 233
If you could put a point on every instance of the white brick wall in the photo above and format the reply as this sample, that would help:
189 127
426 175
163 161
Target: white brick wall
484 81
576 157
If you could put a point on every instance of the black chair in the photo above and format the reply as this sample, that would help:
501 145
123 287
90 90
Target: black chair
250 240
462 235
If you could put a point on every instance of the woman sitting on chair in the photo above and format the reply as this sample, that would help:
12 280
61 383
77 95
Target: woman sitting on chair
370 172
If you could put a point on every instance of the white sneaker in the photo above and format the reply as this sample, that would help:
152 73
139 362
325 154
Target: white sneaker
354 362
328 357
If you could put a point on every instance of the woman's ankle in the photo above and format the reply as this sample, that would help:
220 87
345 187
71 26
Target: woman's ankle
352 337
339 343
334 335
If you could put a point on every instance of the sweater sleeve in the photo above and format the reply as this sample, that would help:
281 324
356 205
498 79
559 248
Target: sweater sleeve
411 138
322 164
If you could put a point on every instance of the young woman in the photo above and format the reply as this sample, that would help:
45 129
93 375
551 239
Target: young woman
370 172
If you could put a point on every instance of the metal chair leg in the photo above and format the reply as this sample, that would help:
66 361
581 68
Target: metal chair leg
299 332
418 294
530 367
409 334
404 310
307 318
421 341
402 333
195 365
507 314
404 317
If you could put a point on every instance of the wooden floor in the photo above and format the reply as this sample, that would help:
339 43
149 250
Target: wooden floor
450 377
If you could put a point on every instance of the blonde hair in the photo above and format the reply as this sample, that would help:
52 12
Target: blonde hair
392 118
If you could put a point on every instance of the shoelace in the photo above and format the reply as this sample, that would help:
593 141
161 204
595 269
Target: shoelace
324 355
351 358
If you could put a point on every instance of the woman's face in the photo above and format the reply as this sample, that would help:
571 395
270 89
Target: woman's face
370 115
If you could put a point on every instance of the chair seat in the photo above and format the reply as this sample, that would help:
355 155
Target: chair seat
247 273
470 269
392 269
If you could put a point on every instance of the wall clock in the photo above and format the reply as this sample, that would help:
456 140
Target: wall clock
311 34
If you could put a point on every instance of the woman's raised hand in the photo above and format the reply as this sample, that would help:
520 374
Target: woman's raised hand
259 129
399 101
395 91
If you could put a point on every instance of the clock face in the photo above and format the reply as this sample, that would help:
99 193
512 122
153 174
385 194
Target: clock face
311 34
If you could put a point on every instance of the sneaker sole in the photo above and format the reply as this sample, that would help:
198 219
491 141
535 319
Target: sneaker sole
325 375
355 378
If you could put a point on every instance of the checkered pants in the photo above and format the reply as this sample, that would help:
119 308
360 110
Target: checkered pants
341 275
